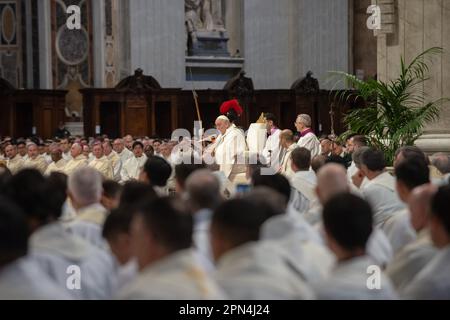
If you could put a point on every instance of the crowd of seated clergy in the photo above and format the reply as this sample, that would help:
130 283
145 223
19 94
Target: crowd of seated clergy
128 218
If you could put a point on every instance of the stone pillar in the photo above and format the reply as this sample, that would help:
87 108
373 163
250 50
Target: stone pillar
98 14
287 38
234 25
266 43
29 45
158 40
323 39
422 24
45 45
106 49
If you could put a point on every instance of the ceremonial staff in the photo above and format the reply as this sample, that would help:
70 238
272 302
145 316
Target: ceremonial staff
194 93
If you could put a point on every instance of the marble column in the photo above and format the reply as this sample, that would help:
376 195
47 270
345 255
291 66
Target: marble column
98 14
287 38
422 24
45 45
158 40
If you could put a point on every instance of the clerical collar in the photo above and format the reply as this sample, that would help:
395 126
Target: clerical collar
273 130
305 132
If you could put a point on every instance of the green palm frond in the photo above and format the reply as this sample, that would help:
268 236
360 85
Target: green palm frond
397 111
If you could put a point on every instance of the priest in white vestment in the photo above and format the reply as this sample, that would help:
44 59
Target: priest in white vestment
85 191
413 257
331 181
288 145
308 139
122 151
114 159
272 149
410 173
168 268
380 191
433 281
248 269
20 277
348 225
35 160
132 168
66 149
101 163
58 163
15 162
303 181
78 160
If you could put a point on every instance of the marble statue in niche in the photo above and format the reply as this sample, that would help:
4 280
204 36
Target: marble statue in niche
205 27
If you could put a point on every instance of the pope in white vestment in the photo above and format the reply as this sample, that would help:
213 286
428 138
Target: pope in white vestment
229 150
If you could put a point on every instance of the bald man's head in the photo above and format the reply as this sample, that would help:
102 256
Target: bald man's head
331 181
203 189
76 150
419 204
442 162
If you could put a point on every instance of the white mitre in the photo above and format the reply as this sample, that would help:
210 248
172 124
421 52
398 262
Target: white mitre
257 136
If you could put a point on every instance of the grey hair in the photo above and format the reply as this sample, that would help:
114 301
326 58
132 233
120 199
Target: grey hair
85 185
31 144
203 189
442 162
305 119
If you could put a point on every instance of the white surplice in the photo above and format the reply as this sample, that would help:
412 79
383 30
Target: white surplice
257 271
433 282
381 194
348 281
176 277
55 250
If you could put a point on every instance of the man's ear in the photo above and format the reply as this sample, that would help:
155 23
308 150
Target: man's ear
293 167
317 191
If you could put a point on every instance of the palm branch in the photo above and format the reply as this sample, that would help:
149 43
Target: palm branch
396 111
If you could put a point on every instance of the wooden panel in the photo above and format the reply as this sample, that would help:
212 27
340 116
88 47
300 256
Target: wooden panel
137 122
23 120
110 118
161 112
163 119
47 123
